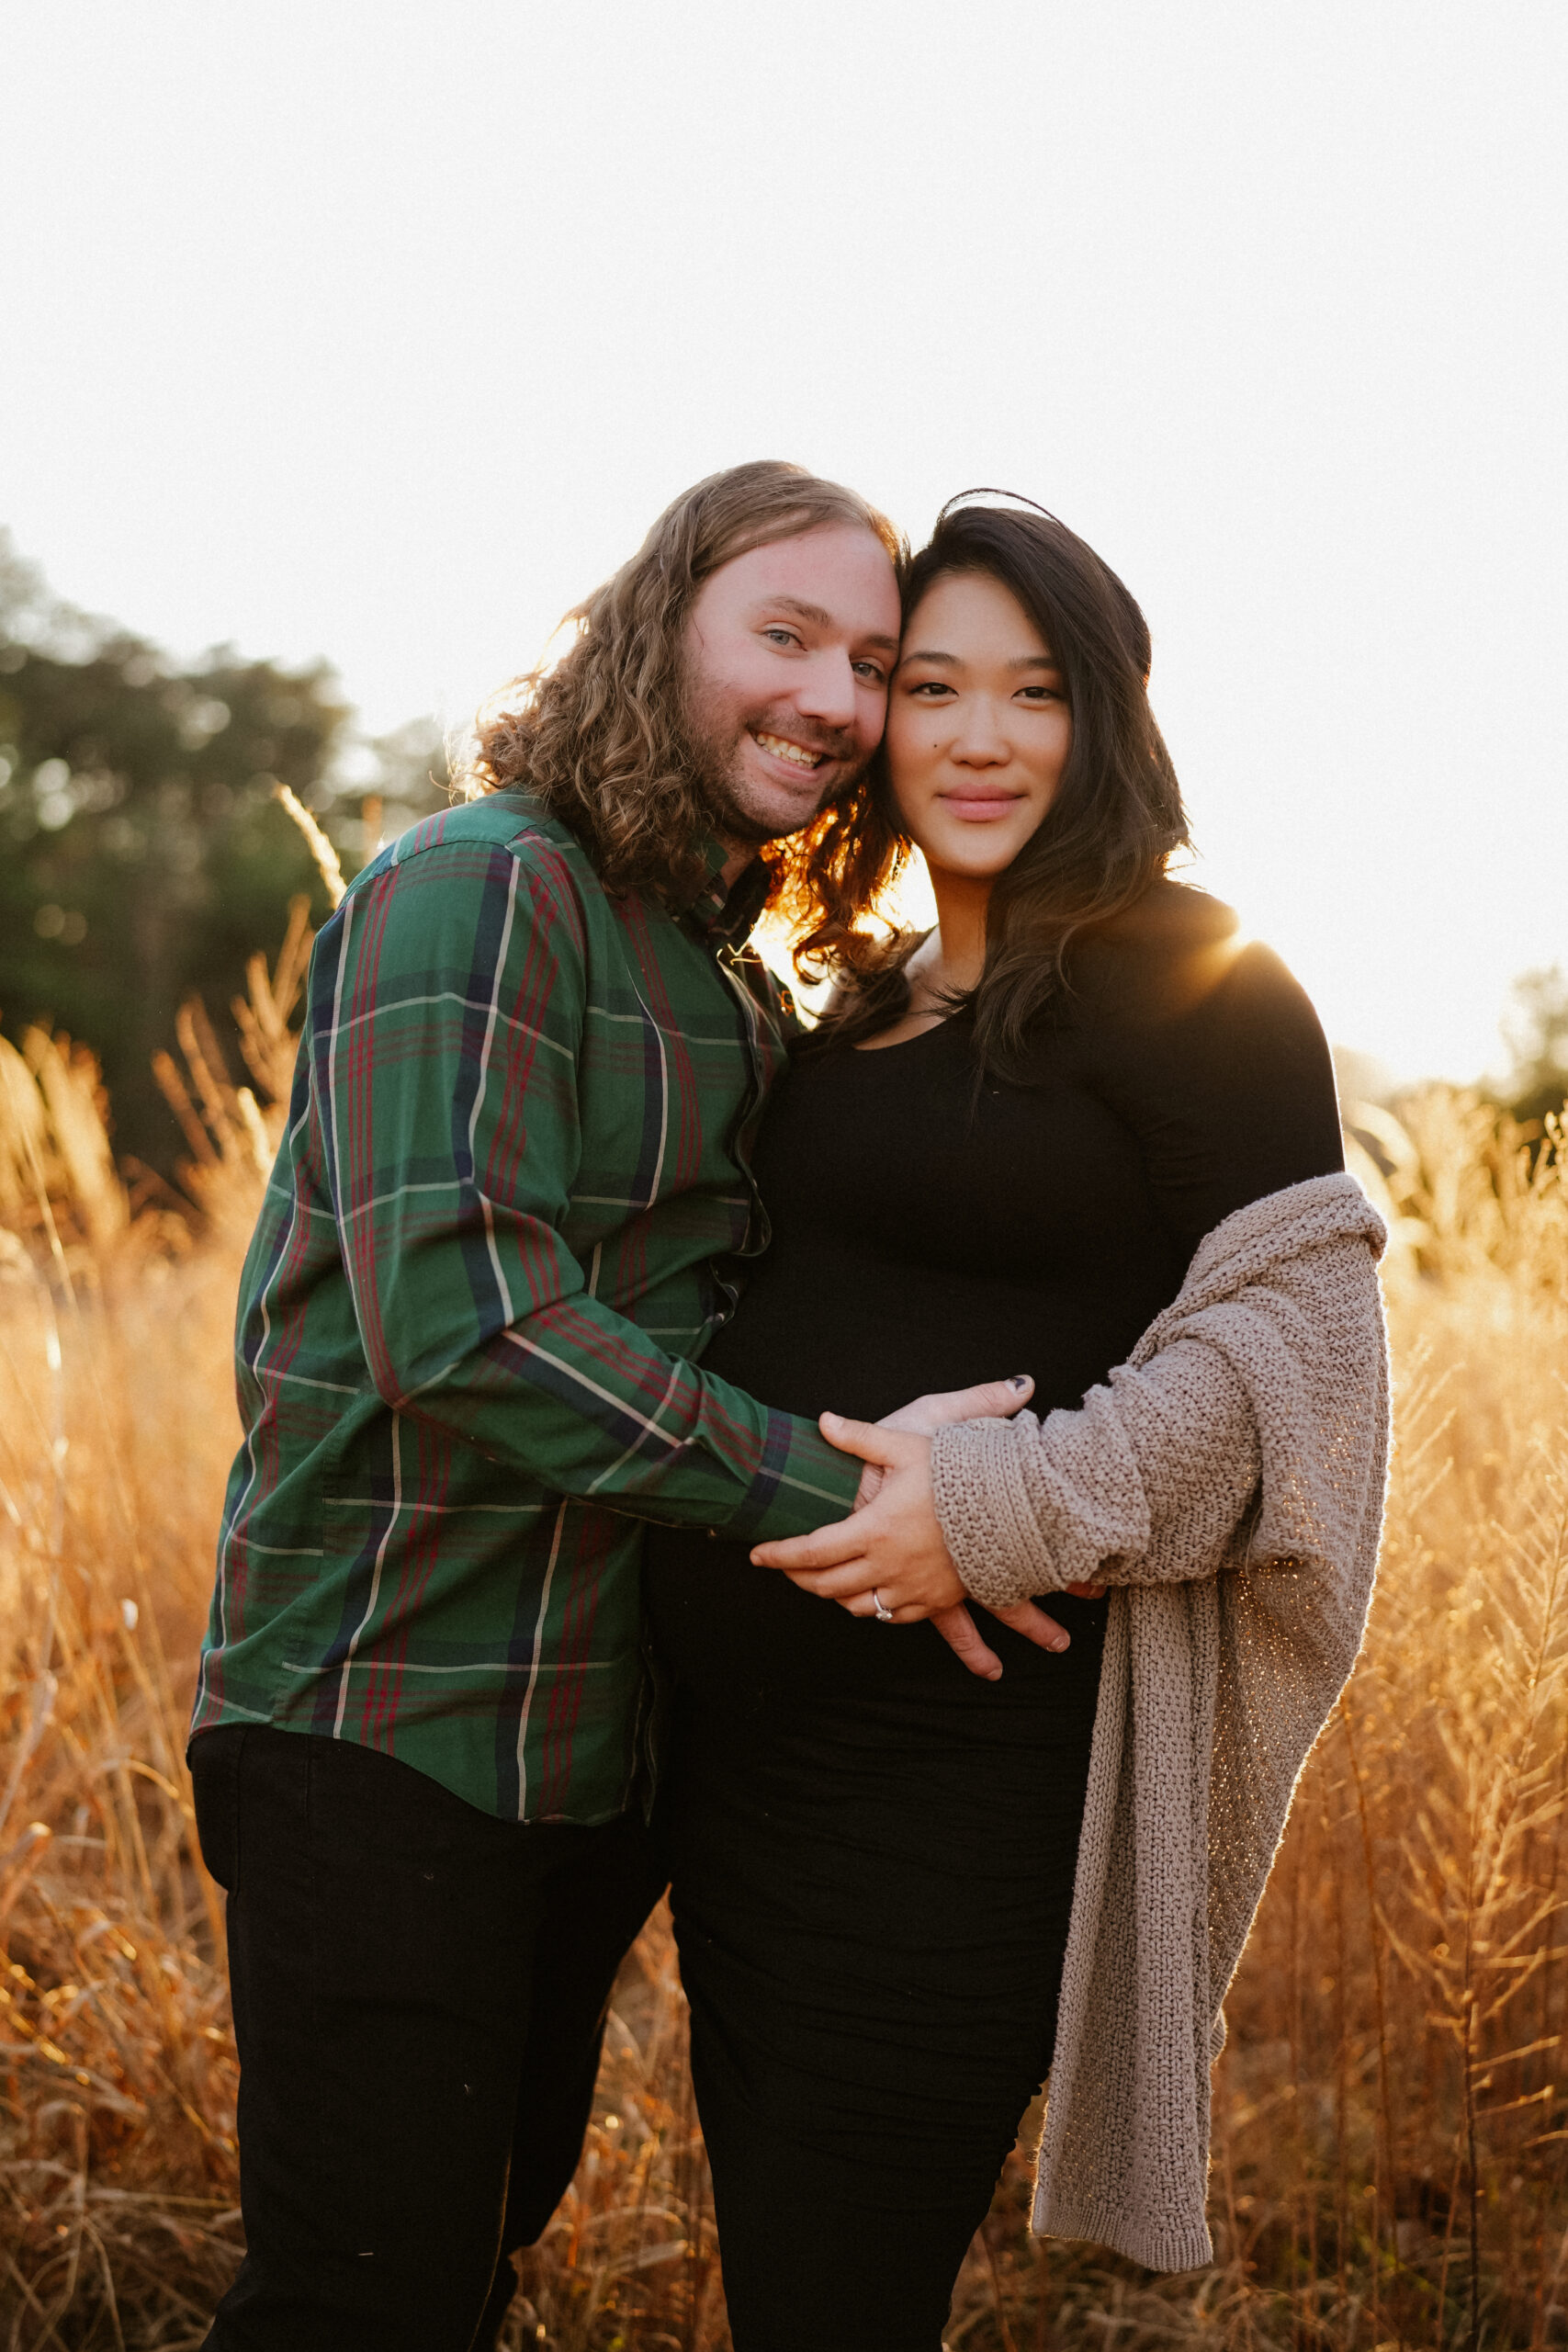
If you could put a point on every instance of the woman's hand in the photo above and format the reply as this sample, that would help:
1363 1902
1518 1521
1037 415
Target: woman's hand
892 1550
893 1544
989 1400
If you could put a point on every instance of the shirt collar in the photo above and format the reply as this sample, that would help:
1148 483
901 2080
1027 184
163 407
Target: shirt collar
724 916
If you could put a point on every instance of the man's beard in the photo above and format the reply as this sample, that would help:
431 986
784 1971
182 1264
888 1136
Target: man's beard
712 747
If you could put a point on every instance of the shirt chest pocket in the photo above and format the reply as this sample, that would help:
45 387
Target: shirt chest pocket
659 1109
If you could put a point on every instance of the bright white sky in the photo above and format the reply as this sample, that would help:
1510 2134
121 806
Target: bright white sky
382 332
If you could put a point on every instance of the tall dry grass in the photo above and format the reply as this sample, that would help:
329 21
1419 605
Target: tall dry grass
1391 2111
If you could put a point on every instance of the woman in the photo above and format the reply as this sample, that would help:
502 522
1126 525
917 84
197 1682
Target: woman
1001 1151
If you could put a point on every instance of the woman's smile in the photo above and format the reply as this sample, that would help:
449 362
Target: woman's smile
979 804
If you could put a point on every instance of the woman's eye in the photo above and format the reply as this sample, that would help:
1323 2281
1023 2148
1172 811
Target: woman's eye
930 688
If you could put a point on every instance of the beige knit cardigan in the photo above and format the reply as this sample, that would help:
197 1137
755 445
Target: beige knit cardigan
1228 1483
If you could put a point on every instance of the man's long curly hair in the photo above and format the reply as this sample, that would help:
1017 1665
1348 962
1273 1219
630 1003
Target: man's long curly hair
599 738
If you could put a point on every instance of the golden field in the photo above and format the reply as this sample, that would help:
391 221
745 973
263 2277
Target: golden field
1391 2152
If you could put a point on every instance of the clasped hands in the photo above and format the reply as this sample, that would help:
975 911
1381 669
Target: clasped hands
891 1547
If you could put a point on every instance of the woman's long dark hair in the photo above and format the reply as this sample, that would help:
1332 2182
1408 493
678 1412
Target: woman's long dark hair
1107 836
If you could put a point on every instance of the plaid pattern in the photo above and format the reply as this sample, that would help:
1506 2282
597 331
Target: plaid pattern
517 1144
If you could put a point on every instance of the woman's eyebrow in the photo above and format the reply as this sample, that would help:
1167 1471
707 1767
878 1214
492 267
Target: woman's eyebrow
954 662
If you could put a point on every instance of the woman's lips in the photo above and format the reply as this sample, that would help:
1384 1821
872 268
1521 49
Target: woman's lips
979 807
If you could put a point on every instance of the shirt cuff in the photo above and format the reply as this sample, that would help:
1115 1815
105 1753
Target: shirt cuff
801 1483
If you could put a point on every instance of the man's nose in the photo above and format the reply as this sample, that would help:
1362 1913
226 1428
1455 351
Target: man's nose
827 692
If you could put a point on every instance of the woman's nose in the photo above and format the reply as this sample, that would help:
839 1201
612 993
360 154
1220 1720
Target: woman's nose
979 741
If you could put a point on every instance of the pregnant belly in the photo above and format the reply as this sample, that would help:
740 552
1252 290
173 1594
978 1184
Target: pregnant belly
743 1638
891 1332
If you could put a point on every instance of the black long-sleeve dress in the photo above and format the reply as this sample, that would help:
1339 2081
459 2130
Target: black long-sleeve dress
872 1850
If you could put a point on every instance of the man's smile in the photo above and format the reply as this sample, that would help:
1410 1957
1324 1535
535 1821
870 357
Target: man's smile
780 747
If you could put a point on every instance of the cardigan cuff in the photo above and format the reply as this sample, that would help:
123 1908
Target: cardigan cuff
983 1509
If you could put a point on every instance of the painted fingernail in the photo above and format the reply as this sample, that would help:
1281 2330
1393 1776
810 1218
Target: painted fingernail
1020 1380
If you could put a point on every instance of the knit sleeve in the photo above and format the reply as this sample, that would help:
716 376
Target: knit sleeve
1145 1482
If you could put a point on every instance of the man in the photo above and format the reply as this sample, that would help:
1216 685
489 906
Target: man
536 1049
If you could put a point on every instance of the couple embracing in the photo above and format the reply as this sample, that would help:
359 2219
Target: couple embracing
639 1483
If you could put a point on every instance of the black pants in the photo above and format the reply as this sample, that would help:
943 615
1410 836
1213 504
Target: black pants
419 1994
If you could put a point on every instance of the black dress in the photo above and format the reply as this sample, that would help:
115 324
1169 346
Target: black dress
872 1850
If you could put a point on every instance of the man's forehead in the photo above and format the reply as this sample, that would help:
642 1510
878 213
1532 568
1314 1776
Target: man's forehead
827 575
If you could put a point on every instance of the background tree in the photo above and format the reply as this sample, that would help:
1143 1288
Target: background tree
143 854
1536 1026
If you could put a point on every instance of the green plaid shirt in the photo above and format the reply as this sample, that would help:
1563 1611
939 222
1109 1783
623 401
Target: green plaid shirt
491 1248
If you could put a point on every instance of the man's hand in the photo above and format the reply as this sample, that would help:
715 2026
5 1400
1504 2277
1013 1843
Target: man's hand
992 1400
891 1546
988 1400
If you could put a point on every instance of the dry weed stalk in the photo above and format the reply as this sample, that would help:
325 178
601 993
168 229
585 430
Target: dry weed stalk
1392 2113
316 840
56 1162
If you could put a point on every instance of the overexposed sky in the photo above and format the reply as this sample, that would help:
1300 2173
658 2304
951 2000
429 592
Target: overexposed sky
383 332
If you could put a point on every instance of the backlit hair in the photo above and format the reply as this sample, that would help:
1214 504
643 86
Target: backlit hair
599 738
1107 835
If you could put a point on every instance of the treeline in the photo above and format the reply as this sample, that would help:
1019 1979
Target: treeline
1537 1029
143 852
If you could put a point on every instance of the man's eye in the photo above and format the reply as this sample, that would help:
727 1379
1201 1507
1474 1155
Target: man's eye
870 670
782 636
